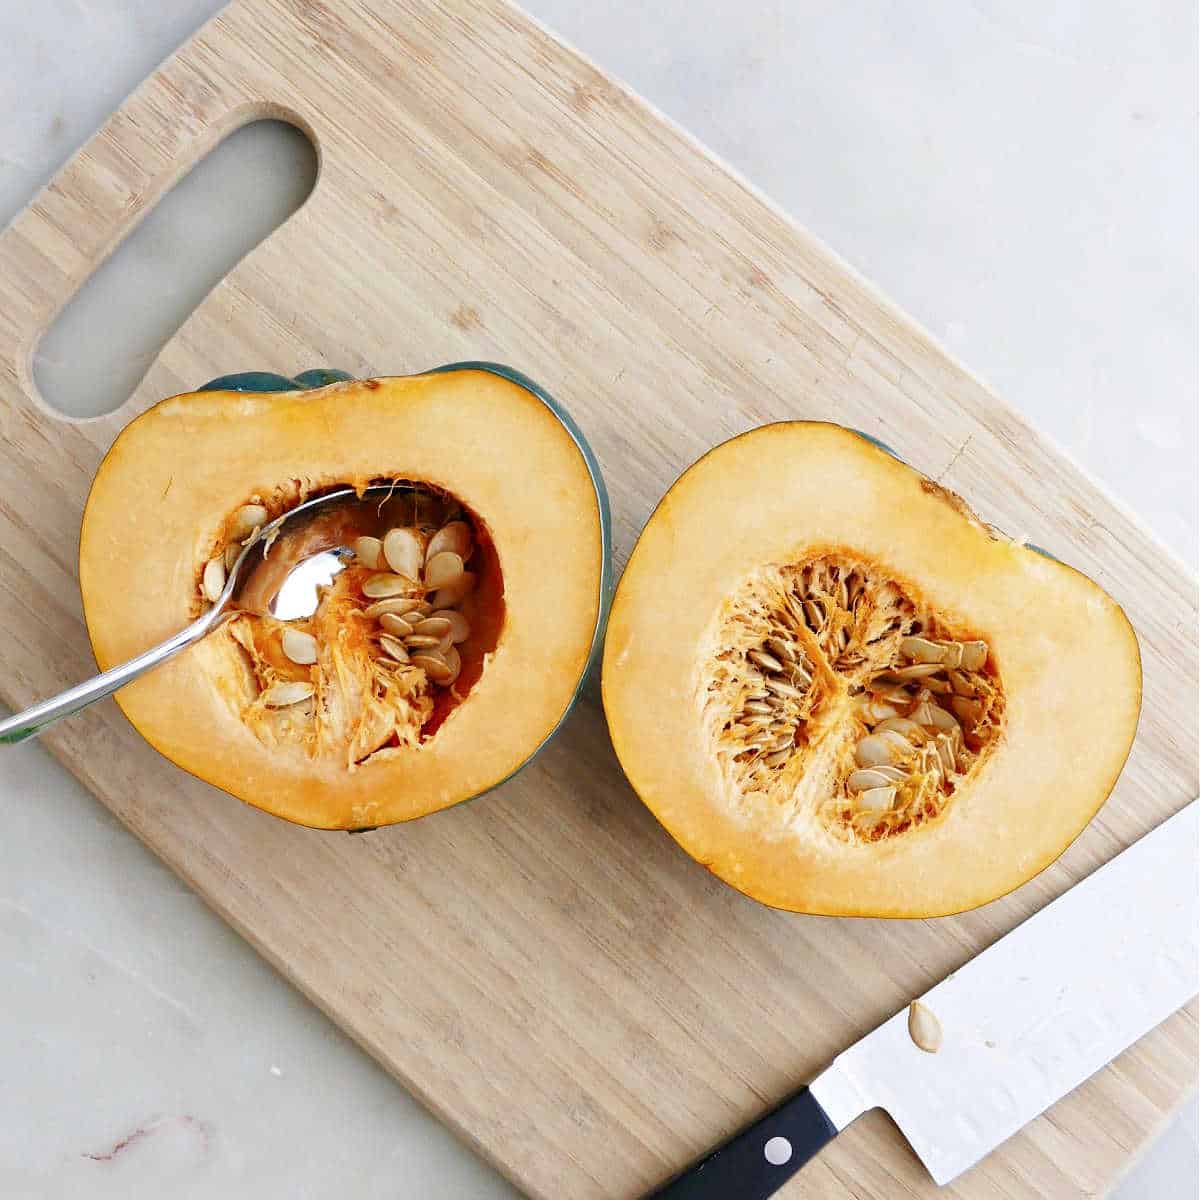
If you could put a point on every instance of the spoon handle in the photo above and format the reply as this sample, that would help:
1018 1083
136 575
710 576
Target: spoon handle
33 720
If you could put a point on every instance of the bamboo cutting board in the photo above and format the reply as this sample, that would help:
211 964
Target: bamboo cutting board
544 969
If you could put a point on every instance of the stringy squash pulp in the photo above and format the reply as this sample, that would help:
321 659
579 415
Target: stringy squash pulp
437 662
864 701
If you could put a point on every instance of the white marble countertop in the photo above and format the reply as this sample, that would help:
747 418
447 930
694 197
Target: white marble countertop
1020 176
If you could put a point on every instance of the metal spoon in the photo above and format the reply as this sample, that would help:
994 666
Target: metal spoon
297 596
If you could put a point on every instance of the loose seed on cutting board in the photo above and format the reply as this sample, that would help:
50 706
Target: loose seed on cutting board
924 1028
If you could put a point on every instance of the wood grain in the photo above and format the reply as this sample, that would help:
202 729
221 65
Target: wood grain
545 969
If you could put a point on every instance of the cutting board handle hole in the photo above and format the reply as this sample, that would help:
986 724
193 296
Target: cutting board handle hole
97 350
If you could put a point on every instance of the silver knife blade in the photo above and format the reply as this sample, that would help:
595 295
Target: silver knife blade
1039 1011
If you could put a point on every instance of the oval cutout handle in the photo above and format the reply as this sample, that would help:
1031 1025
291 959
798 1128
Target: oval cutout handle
204 92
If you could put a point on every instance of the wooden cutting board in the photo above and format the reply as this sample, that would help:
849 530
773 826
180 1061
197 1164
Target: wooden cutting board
545 969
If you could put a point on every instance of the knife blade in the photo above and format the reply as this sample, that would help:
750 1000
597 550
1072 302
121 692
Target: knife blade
1022 1024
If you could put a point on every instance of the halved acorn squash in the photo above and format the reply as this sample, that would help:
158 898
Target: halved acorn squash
438 661
844 694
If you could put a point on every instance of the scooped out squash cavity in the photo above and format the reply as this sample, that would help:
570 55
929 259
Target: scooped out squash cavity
844 694
436 664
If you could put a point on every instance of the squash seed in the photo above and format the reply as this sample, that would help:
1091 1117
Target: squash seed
758 706
454 537
916 671
766 661
922 651
924 1028
952 654
974 655
443 570
213 583
396 625
246 520
961 685
379 587
398 605
299 646
453 662
904 727
450 594
403 552
882 749
436 668
934 716
460 627
393 647
782 650
877 798
786 690
436 627
284 694
870 709
866 778
777 758
369 552
422 641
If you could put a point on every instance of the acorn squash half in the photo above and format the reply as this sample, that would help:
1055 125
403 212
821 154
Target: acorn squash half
844 694
436 664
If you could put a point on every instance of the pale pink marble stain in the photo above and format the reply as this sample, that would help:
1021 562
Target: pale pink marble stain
186 1121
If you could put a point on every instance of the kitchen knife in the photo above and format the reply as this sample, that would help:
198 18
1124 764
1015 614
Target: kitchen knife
1021 1024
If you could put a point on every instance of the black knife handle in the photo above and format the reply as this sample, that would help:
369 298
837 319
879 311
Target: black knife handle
755 1163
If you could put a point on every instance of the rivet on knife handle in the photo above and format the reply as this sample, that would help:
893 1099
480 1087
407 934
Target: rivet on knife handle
755 1163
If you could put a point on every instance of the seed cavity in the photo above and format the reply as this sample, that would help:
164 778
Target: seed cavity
379 660
873 701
